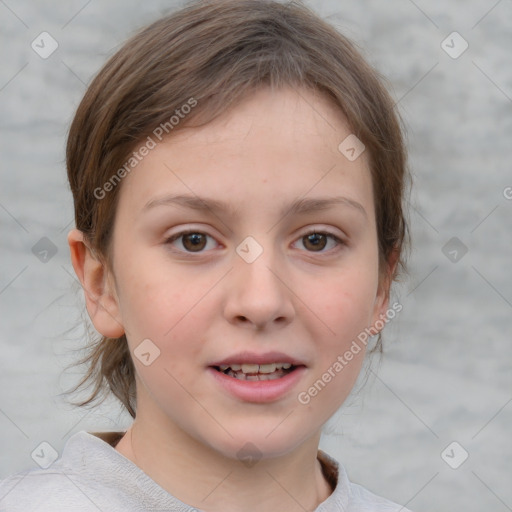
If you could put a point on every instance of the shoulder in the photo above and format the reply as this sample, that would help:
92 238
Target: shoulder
366 501
349 496
89 476
42 490
68 484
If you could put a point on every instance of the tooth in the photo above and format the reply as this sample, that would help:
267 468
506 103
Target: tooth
270 376
235 367
284 366
268 368
249 368
260 376
223 367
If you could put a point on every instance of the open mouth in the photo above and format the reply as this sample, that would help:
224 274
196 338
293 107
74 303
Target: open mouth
256 372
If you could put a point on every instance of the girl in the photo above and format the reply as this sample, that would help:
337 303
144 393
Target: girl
238 174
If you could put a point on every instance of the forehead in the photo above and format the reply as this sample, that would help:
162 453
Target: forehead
274 146
289 119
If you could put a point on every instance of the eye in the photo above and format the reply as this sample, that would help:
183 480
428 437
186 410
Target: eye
317 241
196 241
191 241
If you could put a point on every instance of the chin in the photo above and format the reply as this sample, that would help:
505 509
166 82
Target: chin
258 440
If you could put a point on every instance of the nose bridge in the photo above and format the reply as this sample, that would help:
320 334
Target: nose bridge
255 262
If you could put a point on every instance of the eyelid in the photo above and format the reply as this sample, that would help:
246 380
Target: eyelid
322 231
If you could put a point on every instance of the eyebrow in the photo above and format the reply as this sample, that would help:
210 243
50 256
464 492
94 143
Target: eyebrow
297 207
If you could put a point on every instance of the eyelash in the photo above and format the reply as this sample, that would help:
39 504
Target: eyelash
181 234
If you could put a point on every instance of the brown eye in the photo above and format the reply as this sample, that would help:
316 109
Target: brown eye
194 242
315 241
321 242
189 241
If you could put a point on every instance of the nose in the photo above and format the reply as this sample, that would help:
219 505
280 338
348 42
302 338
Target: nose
259 294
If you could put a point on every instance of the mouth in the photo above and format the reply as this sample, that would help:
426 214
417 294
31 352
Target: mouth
256 377
257 372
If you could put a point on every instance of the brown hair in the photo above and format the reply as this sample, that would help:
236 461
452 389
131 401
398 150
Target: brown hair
217 52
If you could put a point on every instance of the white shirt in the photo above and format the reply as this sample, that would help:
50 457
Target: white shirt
92 476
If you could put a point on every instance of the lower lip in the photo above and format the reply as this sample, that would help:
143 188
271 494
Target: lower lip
258 391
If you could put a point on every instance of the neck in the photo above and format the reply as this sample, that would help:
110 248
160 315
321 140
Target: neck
205 479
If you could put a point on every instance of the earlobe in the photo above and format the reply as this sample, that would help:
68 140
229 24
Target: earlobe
101 300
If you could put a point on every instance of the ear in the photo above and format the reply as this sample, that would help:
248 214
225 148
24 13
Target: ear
100 297
384 288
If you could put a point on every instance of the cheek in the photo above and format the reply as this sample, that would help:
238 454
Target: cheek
346 303
340 354
170 310
157 299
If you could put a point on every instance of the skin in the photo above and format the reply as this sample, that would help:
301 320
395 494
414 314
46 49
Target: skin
200 307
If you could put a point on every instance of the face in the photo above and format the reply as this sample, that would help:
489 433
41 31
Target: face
251 240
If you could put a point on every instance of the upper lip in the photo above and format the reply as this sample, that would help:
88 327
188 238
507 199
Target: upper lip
255 358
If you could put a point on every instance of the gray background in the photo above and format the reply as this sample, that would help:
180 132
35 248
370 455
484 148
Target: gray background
445 375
